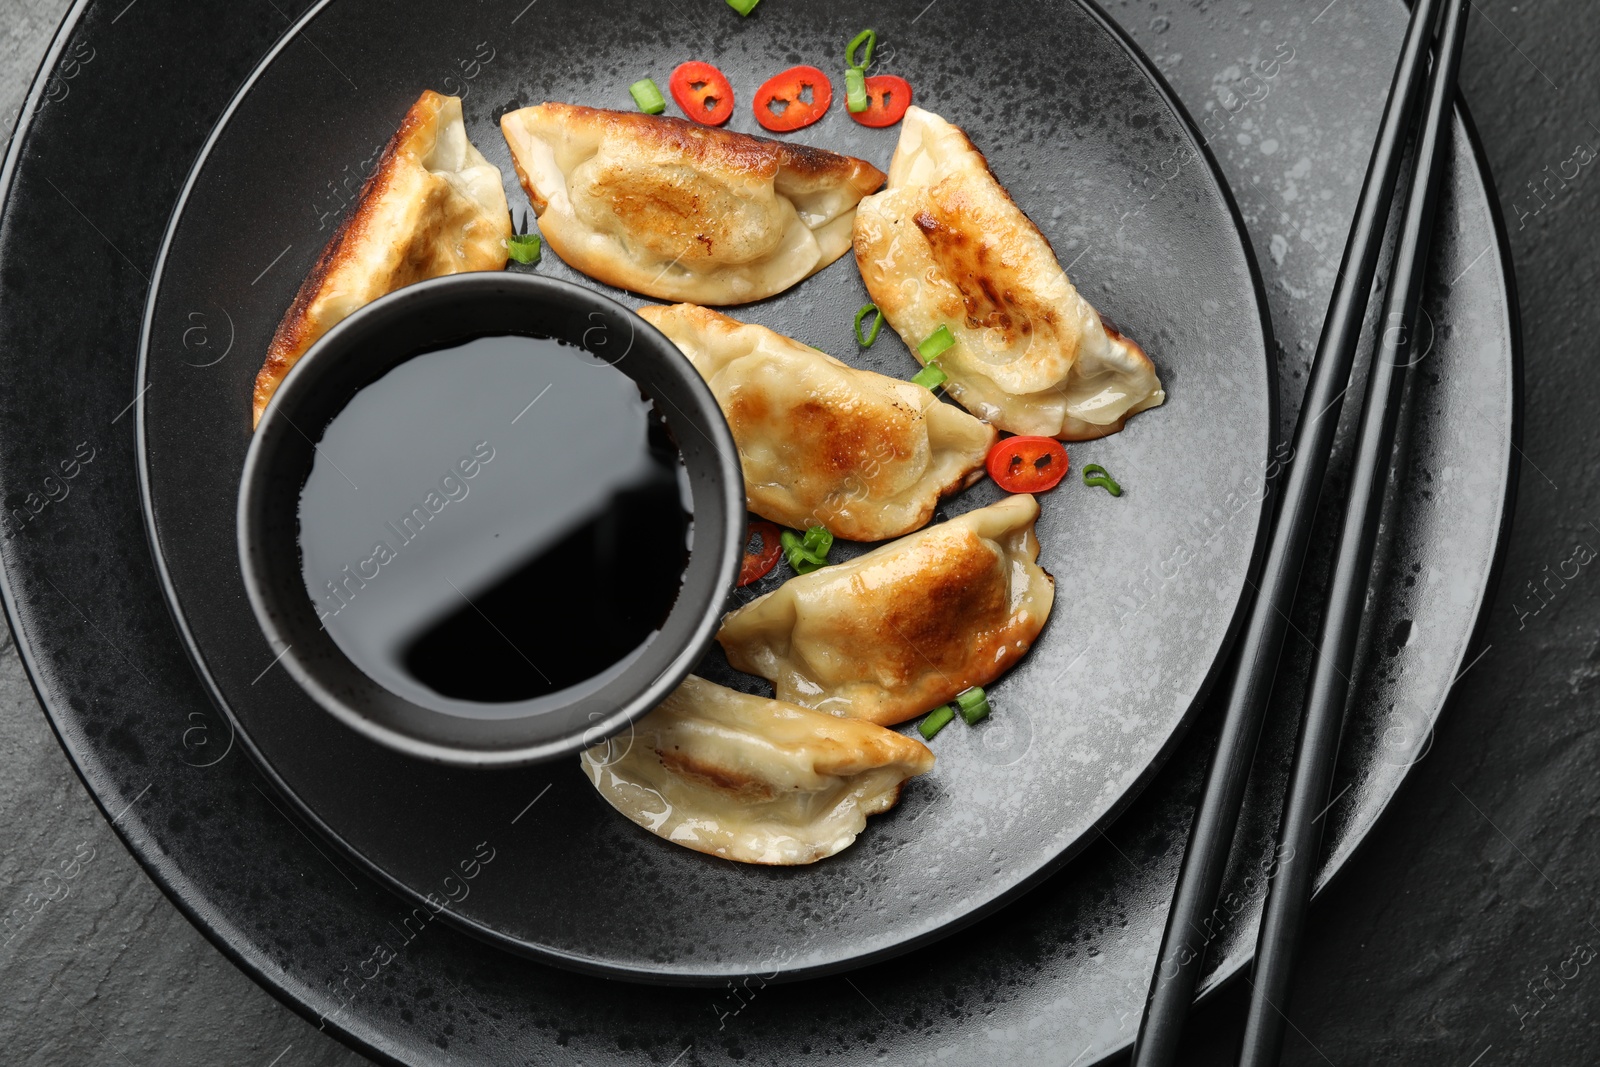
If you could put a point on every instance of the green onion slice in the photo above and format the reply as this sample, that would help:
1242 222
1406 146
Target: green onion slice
855 90
867 37
934 721
524 247
794 547
1094 474
973 705
808 553
818 540
877 324
936 344
743 7
647 96
930 377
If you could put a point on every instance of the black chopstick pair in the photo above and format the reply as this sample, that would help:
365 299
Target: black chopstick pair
1189 922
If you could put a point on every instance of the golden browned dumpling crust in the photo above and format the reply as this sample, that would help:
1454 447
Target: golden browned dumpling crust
752 779
432 206
945 245
823 443
681 211
906 627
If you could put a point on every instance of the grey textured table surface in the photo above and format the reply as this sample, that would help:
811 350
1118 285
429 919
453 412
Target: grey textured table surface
1465 934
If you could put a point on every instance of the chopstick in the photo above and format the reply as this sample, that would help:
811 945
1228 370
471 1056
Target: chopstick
1311 778
1190 922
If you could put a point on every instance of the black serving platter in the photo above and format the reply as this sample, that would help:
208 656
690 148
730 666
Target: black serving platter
1148 585
1058 976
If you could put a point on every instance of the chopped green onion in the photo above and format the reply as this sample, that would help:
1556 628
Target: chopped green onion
877 324
930 377
935 345
855 90
870 38
794 545
936 720
973 705
818 540
647 96
808 553
743 7
523 247
1094 474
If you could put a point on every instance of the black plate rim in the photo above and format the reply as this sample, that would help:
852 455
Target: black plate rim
1514 455
586 964
667 976
1328 875
156 866
151 864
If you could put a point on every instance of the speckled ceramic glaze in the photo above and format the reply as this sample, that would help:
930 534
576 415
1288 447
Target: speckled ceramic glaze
1054 978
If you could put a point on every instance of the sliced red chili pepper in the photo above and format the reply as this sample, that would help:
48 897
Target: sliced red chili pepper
758 564
703 92
1027 464
888 96
793 98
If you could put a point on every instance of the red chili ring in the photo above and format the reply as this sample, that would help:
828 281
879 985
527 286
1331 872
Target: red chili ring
703 92
788 88
1027 464
888 96
757 565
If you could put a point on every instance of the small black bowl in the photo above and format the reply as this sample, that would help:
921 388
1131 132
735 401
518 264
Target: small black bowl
363 348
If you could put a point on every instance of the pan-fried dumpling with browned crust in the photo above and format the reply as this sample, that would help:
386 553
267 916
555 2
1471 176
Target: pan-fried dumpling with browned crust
891 634
432 206
823 443
681 211
752 779
945 245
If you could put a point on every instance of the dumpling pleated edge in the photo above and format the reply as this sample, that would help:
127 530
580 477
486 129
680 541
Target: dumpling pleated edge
945 244
865 455
894 633
749 779
372 252
812 190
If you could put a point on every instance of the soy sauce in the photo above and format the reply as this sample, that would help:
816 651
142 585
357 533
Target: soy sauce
495 522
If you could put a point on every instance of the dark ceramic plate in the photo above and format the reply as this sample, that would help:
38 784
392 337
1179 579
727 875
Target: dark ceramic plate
1147 586
124 104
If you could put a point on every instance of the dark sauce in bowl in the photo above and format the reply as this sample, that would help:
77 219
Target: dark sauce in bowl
495 522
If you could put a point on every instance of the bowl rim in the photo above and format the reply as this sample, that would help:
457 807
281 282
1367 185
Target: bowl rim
337 347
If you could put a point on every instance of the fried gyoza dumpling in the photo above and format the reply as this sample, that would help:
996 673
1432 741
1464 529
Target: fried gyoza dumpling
752 779
822 443
904 628
433 206
680 211
945 245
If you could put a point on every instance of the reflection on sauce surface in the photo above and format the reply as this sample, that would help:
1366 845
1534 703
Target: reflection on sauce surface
495 522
